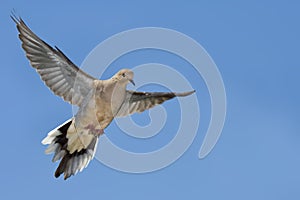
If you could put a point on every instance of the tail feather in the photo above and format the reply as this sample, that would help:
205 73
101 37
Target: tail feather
56 132
76 162
53 147
70 163
59 154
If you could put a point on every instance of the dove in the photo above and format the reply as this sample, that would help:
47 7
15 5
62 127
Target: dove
74 142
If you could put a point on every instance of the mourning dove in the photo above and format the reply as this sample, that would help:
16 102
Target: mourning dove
74 142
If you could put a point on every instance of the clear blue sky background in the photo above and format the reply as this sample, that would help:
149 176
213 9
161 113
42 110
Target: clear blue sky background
255 44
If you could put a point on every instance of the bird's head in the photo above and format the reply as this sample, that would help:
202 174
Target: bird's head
124 76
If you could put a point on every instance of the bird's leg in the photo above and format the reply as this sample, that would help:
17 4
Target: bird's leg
95 131
99 132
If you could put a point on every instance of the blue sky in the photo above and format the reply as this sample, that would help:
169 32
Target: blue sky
255 45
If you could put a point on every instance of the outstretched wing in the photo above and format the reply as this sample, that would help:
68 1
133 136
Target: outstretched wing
141 101
55 69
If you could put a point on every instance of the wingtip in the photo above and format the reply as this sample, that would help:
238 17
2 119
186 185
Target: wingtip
14 17
183 94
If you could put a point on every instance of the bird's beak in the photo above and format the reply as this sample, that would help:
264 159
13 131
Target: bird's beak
132 82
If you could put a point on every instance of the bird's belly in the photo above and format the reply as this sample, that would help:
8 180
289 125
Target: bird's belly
93 114
98 110
104 113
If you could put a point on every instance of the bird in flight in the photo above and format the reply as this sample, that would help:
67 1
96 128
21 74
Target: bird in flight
74 142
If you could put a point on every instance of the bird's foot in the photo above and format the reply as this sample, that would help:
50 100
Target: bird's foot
94 131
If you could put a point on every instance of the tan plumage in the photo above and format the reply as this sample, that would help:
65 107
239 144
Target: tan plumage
99 101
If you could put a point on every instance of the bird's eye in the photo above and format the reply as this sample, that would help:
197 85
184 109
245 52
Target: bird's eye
123 74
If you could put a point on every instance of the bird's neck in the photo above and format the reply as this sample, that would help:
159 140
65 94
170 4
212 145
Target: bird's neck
116 83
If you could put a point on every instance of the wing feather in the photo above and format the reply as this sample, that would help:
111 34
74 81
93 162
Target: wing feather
141 101
55 69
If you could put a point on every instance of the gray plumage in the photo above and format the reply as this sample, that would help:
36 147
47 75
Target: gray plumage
74 142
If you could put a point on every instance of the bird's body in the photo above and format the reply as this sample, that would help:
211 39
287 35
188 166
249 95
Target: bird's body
96 112
74 142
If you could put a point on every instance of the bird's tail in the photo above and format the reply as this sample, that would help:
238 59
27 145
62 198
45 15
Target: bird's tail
71 162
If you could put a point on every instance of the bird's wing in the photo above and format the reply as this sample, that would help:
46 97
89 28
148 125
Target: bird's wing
141 101
55 69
